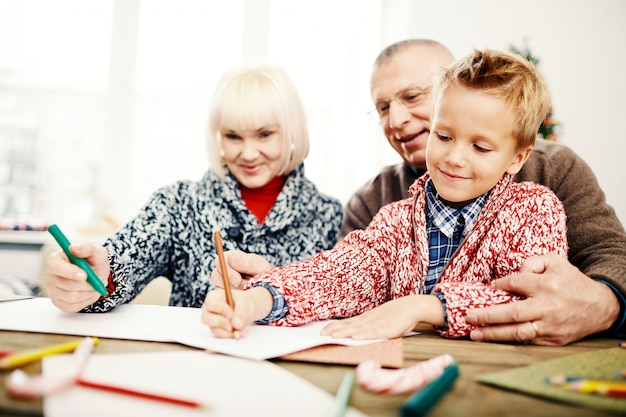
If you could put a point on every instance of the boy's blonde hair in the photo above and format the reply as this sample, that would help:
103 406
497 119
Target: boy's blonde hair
509 77
248 98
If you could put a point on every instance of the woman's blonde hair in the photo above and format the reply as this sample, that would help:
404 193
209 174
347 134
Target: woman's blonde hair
248 98
507 76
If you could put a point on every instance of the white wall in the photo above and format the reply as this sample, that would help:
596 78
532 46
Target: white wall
581 45
327 46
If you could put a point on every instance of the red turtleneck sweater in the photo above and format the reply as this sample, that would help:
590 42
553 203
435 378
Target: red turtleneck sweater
261 200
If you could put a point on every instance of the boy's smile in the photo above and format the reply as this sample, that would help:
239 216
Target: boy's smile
471 144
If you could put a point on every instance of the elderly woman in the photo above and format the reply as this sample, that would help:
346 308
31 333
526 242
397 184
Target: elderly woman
255 193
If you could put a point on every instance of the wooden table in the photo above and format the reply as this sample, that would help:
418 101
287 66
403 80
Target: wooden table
467 397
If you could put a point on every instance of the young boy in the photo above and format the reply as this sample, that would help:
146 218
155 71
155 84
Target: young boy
430 257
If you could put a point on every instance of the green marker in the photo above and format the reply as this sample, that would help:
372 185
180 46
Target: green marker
344 393
420 403
92 278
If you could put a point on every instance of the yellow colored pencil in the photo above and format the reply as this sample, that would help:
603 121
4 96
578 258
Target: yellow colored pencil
594 386
22 358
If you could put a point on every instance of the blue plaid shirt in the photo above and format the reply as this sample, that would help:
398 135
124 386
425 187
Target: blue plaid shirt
445 227
279 308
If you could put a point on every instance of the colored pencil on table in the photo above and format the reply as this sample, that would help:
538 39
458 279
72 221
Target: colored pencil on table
598 387
220 255
22 358
139 393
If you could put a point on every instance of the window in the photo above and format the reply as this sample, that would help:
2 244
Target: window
116 93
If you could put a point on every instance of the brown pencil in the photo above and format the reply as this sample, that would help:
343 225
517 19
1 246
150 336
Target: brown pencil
220 255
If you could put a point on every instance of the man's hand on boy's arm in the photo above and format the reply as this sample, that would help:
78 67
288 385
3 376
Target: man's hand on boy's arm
392 319
562 306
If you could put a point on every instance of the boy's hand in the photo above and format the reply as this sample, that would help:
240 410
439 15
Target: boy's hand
392 319
251 305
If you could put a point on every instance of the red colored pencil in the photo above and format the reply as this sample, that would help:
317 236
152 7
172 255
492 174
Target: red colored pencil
4 353
612 393
141 394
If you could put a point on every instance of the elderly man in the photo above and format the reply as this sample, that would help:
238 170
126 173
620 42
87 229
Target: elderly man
565 301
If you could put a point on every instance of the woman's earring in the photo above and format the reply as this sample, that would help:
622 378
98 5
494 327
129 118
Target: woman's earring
222 157
292 149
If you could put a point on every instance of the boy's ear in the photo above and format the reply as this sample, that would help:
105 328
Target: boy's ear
520 157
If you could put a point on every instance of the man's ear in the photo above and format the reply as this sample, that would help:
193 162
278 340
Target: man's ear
518 160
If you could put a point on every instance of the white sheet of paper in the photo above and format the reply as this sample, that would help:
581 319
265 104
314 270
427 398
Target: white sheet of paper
163 324
13 297
230 386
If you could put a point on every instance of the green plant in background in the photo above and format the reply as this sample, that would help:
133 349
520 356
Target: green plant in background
549 127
